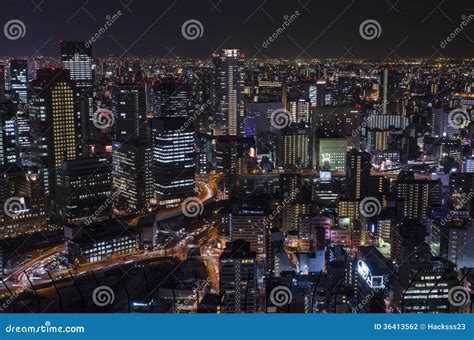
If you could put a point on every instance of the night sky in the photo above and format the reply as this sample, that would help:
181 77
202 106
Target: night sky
323 29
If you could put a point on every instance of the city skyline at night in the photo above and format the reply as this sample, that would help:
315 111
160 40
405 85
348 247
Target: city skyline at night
221 158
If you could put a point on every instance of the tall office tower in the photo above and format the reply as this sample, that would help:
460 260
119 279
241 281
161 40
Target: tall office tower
247 223
424 286
408 242
174 160
358 164
300 110
418 195
23 202
290 186
238 278
229 88
132 175
294 146
85 189
76 56
8 131
3 82
171 98
460 243
19 91
203 154
391 90
129 105
55 130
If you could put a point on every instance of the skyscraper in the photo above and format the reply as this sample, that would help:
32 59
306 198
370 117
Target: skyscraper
132 176
129 106
238 278
19 91
76 56
229 87
357 174
171 98
173 160
55 129
8 131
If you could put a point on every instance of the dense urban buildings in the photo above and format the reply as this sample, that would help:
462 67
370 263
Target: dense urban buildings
236 182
